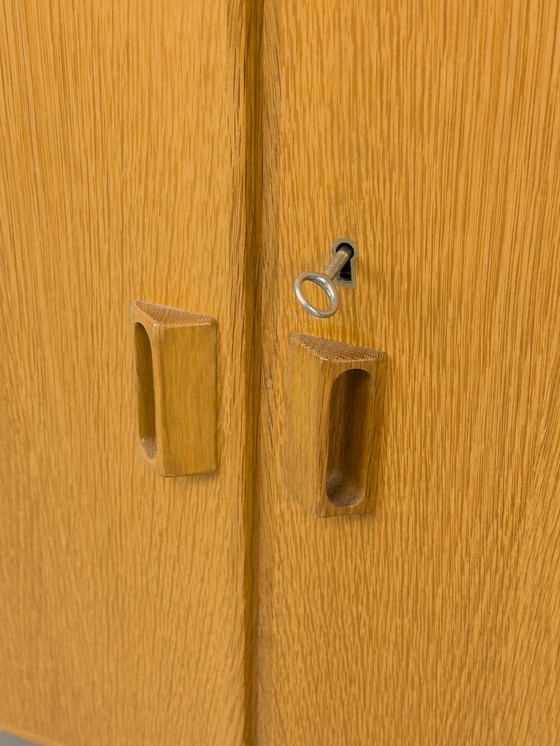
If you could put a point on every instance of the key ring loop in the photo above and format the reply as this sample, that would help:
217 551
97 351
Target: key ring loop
325 284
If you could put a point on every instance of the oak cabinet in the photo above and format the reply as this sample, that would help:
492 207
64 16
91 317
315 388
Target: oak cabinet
201 155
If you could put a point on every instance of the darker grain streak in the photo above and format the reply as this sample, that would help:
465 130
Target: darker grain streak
253 10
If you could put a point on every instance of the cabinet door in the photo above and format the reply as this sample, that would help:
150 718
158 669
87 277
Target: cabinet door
429 133
122 176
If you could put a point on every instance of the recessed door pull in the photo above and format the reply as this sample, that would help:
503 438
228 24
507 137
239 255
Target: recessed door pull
340 271
334 415
175 365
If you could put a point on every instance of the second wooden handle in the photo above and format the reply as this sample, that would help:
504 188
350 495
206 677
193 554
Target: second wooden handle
335 401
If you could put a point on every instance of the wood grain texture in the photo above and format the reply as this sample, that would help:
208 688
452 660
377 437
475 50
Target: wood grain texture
430 134
124 600
335 411
176 377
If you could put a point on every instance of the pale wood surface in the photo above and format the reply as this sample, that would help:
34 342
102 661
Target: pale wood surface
176 377
123 136
430 134
334 414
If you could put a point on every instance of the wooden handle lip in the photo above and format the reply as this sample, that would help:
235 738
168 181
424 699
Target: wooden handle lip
343 353
161 316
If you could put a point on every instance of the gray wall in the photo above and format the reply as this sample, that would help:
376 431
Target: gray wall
6 740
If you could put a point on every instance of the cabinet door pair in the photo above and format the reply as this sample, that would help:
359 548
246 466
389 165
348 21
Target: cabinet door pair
200 156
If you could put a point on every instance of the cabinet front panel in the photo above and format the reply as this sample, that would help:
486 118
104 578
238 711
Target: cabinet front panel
122 166
428 133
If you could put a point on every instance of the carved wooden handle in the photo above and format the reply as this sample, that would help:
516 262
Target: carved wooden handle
175 365
335 401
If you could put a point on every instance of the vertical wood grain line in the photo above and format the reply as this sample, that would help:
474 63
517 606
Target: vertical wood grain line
252 111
